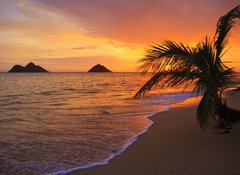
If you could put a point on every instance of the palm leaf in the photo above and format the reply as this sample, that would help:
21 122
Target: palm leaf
167 79
166 54
224 26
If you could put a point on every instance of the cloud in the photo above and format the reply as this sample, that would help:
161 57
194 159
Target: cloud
143 20
20 4
85 47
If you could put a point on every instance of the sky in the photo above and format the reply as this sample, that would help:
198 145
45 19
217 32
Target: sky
74 35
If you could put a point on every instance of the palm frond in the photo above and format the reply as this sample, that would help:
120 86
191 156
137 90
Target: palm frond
224 25
166 54
205 58
225 78
167 79
213 73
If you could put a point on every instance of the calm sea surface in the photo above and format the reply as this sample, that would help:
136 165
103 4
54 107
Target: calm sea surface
55 122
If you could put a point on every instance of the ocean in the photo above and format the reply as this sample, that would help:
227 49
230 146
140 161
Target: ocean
54 123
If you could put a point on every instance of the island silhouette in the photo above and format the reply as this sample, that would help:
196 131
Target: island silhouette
30 67
99 68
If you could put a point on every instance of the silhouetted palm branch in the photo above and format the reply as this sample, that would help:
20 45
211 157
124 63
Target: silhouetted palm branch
167 79
169 53
224 25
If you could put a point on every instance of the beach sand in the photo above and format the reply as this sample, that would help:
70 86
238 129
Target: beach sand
175 145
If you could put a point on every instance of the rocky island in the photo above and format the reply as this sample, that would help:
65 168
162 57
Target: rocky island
30 67
99 68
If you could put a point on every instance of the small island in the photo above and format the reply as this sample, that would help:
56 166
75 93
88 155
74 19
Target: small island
99 68
30 67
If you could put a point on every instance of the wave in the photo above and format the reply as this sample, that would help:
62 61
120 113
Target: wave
47 93
181 97
114 153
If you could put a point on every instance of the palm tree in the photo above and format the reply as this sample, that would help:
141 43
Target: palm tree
174 64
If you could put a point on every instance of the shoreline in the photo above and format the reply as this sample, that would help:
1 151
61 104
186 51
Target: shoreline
155 151
130 142
190 101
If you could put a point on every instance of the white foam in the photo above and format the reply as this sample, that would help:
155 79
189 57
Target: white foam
119 152
180 98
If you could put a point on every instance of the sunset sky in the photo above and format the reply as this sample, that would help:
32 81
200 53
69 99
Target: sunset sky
74 35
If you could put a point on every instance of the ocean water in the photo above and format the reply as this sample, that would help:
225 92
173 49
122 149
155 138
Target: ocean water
53 123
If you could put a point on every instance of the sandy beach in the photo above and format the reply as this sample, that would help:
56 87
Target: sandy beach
175 145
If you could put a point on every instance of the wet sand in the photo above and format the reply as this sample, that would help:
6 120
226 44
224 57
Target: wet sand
175 145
